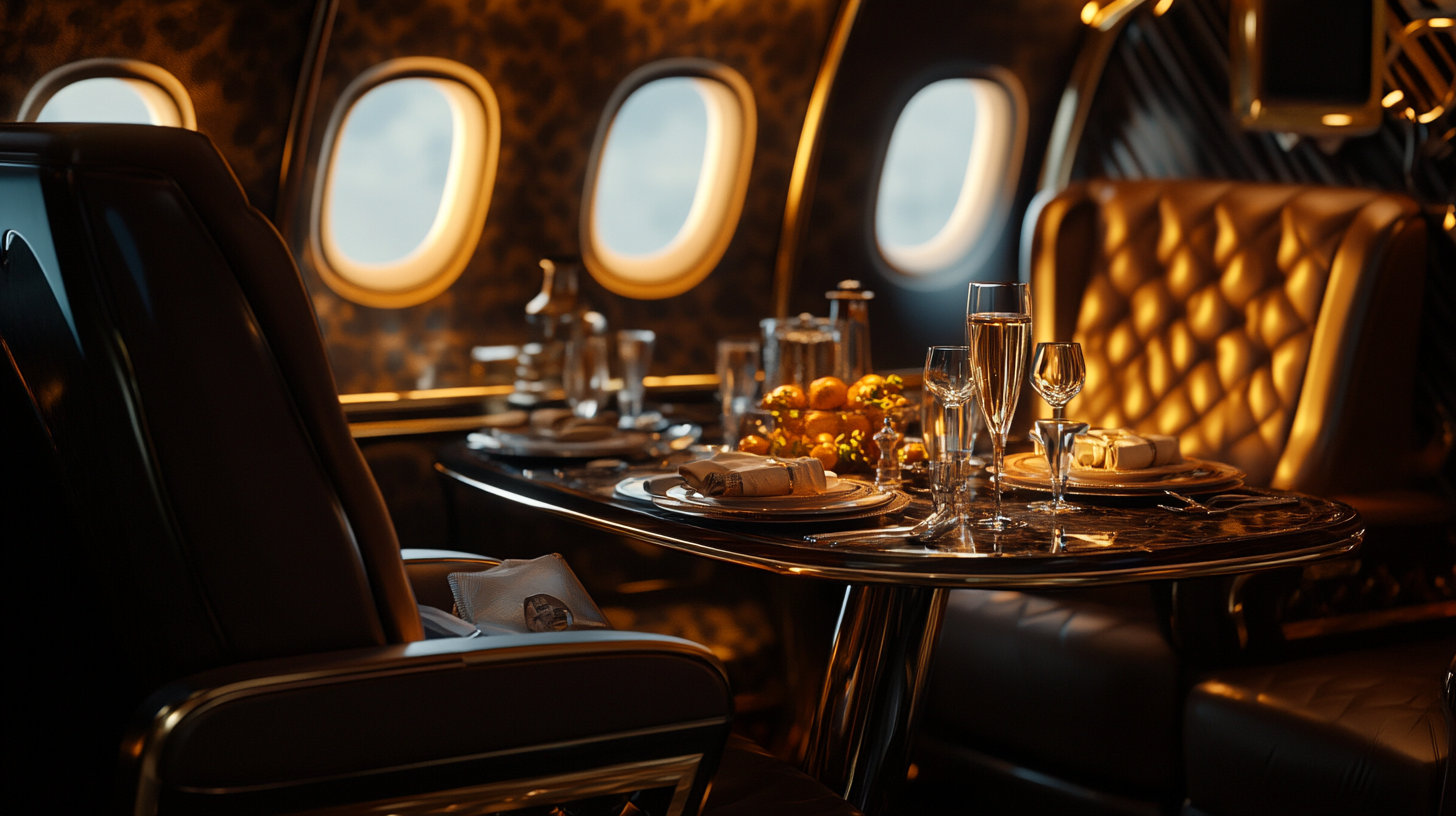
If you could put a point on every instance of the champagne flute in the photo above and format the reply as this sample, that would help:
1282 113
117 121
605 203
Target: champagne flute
1058 374
998 333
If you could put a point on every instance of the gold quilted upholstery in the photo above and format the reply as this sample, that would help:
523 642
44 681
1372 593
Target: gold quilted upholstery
1216 311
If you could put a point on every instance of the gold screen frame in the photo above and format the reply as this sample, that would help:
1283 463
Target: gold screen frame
1257 112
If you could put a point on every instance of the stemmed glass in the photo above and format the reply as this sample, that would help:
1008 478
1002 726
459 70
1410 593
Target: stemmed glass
950 387
1058 374
998 333
948 379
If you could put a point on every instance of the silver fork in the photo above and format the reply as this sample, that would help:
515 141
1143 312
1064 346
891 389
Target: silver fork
1228 501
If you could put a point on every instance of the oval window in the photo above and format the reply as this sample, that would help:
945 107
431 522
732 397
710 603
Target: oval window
412 152
109 90
945 175
668 177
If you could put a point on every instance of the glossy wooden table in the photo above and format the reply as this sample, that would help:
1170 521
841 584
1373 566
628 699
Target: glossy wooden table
891 619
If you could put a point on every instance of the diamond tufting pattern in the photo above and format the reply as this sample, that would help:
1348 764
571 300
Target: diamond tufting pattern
1200 302
1351 733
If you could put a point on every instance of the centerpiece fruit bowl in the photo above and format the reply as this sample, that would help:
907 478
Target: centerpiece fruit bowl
834 422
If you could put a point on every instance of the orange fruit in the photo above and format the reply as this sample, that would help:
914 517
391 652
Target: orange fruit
827 453
856 422
912 452
827 393
824 439
786 396
753 443
791 421
822 422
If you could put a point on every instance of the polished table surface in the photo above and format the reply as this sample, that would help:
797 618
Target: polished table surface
885 642
1105 543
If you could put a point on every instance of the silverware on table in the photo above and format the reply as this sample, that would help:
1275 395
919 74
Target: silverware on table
1224 502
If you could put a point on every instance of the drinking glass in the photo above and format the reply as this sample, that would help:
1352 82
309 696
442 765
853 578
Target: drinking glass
586 374
949 423
634 349
737 382
1058 374
998 333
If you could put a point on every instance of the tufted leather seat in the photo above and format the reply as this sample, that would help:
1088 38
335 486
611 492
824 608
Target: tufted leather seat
1341 734
1264 325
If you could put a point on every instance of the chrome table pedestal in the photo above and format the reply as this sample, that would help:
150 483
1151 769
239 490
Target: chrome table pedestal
859 746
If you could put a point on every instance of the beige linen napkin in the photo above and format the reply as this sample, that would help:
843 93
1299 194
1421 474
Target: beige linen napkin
1121 449
746 474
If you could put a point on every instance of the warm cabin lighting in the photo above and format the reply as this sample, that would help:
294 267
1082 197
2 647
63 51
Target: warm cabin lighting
1441 22
378 396
1431 115
1089 12
1251 26
1392 98
1336 119
1449 222
1162 7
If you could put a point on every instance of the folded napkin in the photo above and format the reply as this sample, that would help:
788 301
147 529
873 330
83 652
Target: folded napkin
746 474
562 425
1121 449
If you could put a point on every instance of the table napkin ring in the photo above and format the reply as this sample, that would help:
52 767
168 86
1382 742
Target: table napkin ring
519 596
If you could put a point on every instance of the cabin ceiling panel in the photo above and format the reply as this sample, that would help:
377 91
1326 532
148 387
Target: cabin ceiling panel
553 67
238 59
894 50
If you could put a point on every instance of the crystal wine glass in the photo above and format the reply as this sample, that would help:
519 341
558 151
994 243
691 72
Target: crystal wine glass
998 333
1058 373
948 379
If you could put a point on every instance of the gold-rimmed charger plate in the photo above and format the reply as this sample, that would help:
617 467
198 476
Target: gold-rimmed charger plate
1029 470
845 495
895 502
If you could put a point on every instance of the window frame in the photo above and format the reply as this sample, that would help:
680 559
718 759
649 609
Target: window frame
700 244
979 249
144 77
446 249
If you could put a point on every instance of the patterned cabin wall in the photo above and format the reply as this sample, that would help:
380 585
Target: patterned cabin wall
895 49
1162 111
553 66
238 59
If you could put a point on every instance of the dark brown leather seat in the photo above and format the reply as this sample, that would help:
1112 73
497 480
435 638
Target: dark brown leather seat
1361 733
229 575
1265 325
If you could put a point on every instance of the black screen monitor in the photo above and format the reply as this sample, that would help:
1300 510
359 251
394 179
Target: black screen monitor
1307 66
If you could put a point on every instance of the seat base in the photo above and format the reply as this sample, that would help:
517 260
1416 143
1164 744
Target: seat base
752 782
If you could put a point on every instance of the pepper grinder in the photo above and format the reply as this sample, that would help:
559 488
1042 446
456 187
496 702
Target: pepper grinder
887 468
855 322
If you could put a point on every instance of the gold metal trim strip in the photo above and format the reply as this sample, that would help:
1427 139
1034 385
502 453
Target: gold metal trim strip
1076 102
545 790
806 158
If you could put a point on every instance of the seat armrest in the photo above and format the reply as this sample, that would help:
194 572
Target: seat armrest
429 569
564 714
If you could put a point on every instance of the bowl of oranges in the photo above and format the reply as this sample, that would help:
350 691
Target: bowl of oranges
834 422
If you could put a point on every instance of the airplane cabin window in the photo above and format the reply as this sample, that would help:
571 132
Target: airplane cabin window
652 166
390 170
670 175
109 90
105 99
411 157
945 175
